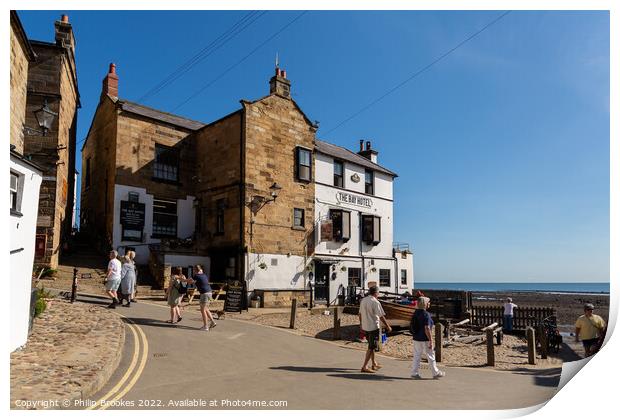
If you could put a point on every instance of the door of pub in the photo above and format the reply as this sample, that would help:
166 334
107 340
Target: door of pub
321 283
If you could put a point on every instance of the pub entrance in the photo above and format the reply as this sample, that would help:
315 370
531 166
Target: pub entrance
321 283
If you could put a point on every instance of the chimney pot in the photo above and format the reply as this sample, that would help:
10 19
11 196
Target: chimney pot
112 68
368 145
284 73
361 145
64 19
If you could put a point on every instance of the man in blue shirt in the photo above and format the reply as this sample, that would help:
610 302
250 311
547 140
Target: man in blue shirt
201 280
422 327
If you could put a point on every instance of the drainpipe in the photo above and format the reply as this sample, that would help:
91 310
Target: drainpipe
362 275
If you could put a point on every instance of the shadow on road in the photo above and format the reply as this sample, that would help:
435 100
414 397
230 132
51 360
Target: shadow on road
335 372
547 377
158 323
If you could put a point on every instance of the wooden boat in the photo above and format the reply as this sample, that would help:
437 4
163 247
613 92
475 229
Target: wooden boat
397 311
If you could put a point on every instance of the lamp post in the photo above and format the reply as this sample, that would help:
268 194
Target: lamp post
45 117
311 284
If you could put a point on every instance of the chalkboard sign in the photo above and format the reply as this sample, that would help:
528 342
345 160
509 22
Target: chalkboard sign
235 297
132 215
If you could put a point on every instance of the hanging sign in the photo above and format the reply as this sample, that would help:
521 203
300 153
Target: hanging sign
327 230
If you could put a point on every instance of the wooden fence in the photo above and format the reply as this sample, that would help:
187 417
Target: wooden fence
524 317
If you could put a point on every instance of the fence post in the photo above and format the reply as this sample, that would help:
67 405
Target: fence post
337 323
490 348
293 313
438 340
544 345
74 284
531 346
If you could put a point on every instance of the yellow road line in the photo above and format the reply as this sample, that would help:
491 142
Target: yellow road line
138 373
134 361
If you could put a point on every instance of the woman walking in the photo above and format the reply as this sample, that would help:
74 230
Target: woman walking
128 277
174 294
421 328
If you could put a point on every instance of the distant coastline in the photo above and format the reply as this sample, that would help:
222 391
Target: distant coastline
554 288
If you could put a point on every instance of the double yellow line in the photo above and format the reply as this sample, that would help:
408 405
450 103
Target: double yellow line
136 366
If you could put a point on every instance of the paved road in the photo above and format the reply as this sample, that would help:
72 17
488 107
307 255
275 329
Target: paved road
242 361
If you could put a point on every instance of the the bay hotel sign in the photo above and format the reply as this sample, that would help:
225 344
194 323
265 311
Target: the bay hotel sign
356 200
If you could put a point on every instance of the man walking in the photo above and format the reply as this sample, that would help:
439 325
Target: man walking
113 278
589 328
421 328
371 315
201 280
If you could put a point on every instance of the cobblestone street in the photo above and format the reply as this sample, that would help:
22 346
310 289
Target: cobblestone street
71 353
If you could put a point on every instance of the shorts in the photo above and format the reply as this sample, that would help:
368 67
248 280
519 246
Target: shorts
373 340
205 298
589 343
113 284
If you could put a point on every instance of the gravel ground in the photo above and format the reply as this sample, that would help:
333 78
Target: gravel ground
511 354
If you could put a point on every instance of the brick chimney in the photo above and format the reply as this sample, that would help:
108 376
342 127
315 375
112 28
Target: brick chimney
63 33
368 153
279 84
110 82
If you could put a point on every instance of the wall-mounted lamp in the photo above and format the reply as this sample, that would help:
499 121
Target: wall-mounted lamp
258 201
45 117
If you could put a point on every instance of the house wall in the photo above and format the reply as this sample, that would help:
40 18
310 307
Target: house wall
50 79
22 245
19 81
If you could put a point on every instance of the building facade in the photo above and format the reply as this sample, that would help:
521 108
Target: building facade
52 81
354 219
138 179
25 181
246 194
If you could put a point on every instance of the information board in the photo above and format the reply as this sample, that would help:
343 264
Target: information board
132 215
235 297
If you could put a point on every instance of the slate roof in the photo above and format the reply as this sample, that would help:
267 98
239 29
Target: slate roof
155 114
349 156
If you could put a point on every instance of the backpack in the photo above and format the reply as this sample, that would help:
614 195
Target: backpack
182 289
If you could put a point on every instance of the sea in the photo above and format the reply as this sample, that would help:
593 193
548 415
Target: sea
571 288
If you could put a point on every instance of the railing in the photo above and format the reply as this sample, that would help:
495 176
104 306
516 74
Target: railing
401 247
523 316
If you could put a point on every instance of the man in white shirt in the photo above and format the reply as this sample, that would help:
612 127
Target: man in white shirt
508 314
113 278
371 315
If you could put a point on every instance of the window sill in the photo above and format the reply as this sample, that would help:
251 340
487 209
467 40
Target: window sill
300 228
16 213
165 181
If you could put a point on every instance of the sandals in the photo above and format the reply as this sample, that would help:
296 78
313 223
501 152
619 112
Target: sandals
367 370
377 367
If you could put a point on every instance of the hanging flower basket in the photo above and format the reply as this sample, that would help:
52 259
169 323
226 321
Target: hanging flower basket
343 268
373 269
262 266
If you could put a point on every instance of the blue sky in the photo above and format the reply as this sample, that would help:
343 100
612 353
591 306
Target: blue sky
502 148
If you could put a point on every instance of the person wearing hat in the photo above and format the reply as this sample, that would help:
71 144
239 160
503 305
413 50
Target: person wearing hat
589 328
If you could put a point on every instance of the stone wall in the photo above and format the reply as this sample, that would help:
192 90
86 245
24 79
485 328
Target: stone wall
19 80
280 298
274 128
50 79
98 157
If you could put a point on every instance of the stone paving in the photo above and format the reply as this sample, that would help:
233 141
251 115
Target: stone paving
72 351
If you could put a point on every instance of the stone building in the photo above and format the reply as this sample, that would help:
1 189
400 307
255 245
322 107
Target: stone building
239 194
52 81
25 181
138 179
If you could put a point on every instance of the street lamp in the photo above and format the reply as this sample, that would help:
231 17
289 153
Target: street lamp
311 284
45 117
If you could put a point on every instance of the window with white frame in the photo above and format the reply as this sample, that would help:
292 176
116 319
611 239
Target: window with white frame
341 222
303 160
298 218
166 166
14 201
371 229
384 277
403 277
